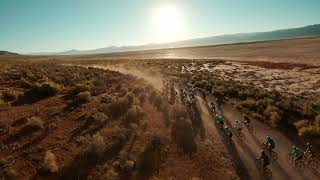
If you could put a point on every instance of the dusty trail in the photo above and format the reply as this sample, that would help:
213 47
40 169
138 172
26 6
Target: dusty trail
251 146
220 147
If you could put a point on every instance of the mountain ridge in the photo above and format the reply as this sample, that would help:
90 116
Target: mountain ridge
305 31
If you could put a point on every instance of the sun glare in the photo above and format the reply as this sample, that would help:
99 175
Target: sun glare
167 21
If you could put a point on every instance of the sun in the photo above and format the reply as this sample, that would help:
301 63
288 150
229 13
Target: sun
168 22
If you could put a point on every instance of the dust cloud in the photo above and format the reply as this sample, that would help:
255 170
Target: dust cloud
151 76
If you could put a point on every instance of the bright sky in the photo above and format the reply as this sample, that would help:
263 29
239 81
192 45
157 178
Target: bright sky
57 25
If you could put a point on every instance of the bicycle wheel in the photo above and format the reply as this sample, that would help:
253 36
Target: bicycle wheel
267 173
250 129
300 166
289 158
274 155
313 164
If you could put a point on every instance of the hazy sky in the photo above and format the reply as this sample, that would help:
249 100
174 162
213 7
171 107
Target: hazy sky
57 25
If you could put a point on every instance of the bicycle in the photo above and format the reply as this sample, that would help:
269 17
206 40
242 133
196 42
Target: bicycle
309 160
299 165
272 153
248 126
238 133
264 171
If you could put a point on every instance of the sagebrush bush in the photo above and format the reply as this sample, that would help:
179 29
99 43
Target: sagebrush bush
8 95
300 124
92 145
34 123
275 119
24 83
107 99
11 174
50 162
78 89
40 91
119 108
309 131
122 91
82 98
99 118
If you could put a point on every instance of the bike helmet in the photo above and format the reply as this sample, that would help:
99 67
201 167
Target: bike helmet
268 137
294 147
308 144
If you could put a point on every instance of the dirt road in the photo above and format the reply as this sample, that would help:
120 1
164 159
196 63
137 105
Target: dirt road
244 152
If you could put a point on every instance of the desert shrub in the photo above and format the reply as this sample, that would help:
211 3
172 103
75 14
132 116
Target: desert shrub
309 109
35 123
134 114
142 98
78 89
24 83
119 108
137 90
3 105
275 119
11 174
8 95
317 122
92 145
249 104
99 118
50 162
308 131
82 98
122 91
107 99
40 91
300 124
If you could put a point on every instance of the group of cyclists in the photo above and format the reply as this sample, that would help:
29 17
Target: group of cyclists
267 154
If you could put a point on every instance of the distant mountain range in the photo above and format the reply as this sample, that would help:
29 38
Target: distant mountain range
2 53
306 31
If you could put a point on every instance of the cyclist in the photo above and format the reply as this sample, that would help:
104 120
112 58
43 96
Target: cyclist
238 126
246 119
309 151
228 131
212 106
264 159
219 120
270 143
297 154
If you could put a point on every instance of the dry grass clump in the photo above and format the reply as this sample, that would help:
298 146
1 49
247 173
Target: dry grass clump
11 174
92 145
307 128
42 90
50 162
78 89
82 98
8 95
107 99
99 118
34 123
